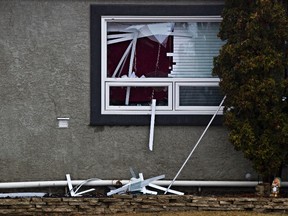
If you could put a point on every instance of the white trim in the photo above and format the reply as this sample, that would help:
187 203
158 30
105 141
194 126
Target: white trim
163 79
103 62
161 18
205 109
137 108
152 124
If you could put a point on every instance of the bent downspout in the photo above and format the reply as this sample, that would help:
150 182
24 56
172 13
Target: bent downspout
37 184
199 140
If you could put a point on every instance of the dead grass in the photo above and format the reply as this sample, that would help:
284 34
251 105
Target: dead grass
204 213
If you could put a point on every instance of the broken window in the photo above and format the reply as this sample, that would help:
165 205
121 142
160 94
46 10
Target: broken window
169 59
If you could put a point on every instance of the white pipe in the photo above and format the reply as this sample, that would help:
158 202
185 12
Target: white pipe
183 165
35 184
211 183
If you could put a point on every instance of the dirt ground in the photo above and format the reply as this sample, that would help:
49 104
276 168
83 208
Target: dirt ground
203 213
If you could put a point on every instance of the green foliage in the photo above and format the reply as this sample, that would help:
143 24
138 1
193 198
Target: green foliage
251 66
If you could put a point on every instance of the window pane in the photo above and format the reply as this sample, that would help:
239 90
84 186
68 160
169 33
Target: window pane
169 49
200 96
138 96
194 46
139 48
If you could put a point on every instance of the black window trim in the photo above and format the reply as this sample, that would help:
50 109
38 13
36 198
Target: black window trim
96 11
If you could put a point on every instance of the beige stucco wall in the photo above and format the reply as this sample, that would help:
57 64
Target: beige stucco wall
45 74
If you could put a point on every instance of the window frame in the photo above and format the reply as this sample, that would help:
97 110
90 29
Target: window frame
177 109
100 116
134 109
208 110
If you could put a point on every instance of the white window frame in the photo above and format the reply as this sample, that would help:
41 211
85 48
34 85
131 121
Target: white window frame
173 84
194 109
135 109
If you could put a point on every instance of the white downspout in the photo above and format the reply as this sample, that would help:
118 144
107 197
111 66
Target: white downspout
152 124
199 140
36 184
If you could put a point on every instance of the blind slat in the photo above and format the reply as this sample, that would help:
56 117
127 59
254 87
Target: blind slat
193 56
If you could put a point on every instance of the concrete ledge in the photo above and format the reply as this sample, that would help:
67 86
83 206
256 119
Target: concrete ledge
139 203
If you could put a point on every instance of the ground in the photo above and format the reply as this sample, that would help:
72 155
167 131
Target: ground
203 213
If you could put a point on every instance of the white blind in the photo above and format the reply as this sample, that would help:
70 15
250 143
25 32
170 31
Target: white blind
194 46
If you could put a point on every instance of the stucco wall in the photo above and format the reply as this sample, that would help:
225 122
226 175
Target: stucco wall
45 74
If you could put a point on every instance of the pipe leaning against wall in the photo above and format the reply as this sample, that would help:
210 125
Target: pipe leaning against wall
36 184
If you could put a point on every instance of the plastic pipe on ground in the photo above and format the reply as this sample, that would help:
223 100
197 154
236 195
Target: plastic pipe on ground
35 184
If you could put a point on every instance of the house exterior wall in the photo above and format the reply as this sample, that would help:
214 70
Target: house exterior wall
45 74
